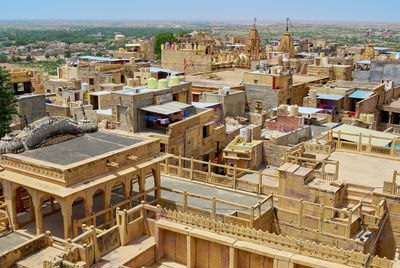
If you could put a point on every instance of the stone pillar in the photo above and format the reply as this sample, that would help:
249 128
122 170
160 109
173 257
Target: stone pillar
37 208
88 205
66 210
142 182
191 251
10 198
233 257
157 180
107 202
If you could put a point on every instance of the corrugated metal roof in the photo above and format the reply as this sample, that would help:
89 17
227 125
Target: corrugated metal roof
205 104
381 48
156 70
302 110
167 108
363 62
329 97
365 133
101 58
360 94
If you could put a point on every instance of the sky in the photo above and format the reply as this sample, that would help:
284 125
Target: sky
201 10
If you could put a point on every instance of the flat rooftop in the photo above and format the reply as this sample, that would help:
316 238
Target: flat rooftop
11 240
80 148
301 79
363 169
226 78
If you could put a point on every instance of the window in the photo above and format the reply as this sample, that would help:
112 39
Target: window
255 81
91 81
162 147
206 131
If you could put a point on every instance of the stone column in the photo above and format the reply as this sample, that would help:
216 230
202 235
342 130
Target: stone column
88 205
10 198
142 182
157 180
66 210
37 208
107 201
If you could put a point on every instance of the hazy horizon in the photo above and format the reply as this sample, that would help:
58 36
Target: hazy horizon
266 11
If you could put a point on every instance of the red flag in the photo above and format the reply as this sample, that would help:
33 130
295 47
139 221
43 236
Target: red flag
69 99
184 61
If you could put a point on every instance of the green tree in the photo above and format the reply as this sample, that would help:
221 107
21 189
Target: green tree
28 58
181 33
99 54
3 59
161 39
67 54
47 56
8 102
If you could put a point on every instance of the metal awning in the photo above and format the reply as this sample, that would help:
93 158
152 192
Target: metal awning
167 108
360 94
329 97
368 62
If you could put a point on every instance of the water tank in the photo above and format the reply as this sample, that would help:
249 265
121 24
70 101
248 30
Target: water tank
248 133
84 91
363 117
242 133
85 86
227 90
173 80
370 118
152 83
294 110
162 84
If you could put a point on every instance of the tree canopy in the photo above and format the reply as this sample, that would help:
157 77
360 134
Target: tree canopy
8 102
161 39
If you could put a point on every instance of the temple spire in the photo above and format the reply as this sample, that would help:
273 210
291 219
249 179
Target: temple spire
287 24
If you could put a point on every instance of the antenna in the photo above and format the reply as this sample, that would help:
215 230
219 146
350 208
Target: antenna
255 20
287 24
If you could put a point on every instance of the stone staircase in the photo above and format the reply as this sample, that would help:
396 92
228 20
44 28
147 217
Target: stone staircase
137 253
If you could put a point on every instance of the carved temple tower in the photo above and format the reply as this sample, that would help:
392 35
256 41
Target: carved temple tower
369 53
253 44
286 45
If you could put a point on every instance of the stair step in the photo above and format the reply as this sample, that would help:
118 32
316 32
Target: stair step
166 264
139 249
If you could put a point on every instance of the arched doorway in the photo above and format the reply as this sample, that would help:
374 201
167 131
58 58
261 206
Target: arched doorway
134 184
52 218
98 205
24 209
118 194
78 212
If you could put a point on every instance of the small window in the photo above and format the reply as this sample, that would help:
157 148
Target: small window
255 82
206 131
91 81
